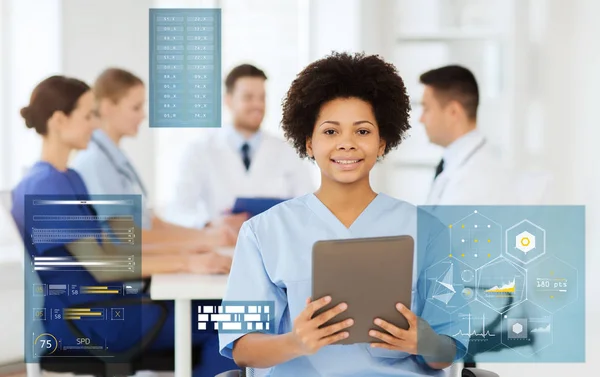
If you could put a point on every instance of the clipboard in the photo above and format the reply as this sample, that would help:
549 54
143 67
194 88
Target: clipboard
254 206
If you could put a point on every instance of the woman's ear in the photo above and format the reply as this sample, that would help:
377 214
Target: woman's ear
309 150
105 107
382 145
56 121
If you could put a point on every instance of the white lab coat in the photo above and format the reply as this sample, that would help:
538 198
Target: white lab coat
212 175
478 176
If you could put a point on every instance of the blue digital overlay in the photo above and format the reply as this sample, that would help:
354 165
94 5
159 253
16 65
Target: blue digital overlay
83 287
236 317
509 280
185 68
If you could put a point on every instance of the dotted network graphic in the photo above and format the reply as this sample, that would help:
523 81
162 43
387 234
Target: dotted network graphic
502 285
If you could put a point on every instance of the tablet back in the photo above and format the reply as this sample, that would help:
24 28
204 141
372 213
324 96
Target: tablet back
371 275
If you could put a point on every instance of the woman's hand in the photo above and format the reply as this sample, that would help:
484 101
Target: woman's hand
400 339
217 236
420 339
231 221
307 335
208 263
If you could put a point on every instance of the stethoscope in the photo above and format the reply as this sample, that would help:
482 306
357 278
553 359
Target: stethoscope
464 161
135 179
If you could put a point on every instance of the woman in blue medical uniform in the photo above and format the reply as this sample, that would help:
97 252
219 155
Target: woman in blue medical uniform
106 170
345 112
62 111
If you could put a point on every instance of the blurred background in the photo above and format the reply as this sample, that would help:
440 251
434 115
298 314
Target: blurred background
537 63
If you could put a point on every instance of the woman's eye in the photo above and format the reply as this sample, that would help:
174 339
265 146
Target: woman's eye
329 132
364 132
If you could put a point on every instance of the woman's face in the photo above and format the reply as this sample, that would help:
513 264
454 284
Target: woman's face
75 130
125 116
345 142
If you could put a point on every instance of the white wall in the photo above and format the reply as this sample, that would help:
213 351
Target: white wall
100 34
11 317
24 67
569 79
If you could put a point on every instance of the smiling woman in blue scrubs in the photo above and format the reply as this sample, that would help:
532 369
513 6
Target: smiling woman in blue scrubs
62 111
345 112
106 170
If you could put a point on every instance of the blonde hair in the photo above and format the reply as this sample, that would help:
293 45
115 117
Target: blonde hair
114 83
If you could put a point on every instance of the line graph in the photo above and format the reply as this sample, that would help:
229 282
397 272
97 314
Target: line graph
472 332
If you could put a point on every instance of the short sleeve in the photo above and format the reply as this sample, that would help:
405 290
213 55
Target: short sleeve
49 185
249 281
97 174
443 320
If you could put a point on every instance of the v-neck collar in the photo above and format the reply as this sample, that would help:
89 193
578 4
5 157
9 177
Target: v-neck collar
321 210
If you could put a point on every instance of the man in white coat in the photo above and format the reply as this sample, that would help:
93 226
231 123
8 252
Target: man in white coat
471 171
239 160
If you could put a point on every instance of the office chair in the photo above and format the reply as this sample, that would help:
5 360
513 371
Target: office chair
137 360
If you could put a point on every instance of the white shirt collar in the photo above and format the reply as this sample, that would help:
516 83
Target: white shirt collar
236 139
461 148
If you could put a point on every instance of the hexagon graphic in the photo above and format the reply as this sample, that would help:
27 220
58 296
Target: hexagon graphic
450 284
552 284
476 239
517 328
527 329
525 242
501 284
481 325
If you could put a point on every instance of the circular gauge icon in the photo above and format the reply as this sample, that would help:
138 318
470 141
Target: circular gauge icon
467 293
45 344
467 276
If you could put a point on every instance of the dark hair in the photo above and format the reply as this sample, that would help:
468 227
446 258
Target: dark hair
457 83
56 93
244 70
114 83
342 75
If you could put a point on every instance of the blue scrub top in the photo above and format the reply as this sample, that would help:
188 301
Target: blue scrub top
45 179
272 262
106 170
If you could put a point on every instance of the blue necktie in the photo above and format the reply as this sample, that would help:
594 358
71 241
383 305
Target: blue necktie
246 155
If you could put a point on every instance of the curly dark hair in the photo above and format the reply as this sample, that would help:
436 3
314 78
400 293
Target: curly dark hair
343 75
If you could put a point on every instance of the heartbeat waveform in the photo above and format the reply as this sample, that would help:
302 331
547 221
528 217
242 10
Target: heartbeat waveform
484 333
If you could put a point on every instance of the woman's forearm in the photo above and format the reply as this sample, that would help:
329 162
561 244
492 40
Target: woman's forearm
162 264
166 241
258 350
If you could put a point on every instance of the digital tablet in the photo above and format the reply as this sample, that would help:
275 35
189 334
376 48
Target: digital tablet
254 206
371 275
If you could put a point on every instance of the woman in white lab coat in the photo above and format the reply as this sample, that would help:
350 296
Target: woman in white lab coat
106 170
345 112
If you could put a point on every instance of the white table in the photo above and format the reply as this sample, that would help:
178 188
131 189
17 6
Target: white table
183 288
